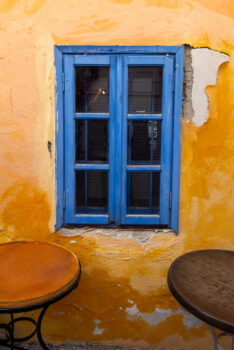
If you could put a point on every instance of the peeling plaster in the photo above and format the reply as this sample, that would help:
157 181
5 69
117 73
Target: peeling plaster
139 235
160 315
205 63
98 331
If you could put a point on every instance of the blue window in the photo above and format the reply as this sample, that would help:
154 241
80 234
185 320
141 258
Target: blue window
118 135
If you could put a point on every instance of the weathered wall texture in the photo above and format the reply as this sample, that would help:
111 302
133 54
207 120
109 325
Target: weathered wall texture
123 296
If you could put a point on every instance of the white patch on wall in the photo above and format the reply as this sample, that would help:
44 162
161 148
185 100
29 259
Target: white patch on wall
159 315
205 63
98 331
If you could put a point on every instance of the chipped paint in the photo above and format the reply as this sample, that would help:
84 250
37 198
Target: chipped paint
98 331
159 315
205 63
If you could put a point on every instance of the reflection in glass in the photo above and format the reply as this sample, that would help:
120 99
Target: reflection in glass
91 140
144 142
91 191
143 192
145 90
92 89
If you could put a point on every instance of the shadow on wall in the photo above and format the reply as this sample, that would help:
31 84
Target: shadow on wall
26 212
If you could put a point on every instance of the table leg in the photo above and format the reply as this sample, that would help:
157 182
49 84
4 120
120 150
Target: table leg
217 336
10 340
39 336
11 329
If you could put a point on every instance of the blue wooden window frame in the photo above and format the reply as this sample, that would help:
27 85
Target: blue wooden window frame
172 57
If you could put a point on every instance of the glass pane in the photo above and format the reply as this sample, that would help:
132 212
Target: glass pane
97 189
91 191
156 190
91 140
139 189
80 140
80 189
143 192
144 142
92 89
145 90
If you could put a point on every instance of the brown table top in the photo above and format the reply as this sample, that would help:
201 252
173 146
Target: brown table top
32 273
203 282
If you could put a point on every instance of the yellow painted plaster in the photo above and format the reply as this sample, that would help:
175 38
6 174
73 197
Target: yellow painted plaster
117 273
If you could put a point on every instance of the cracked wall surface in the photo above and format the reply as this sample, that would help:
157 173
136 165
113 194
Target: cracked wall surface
201 66
205 63
120 269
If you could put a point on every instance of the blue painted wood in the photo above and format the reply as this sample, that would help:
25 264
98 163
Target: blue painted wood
145 167
123 148
144 61
91 166
167 63
118 140
176 142
166 141
112 145
89 49
138 219
59 128
92 219
144 117
92 116
100 60
69 145
176 54
70 61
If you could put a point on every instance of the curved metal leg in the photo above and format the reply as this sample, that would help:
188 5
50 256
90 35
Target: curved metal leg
39 336
11 328
216 337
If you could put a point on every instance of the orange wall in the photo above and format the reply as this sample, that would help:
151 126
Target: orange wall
120 275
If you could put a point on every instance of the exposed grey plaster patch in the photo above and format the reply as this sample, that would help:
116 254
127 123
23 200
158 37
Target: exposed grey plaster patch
98 331
160 315
139 235
187 84
189 320
205 63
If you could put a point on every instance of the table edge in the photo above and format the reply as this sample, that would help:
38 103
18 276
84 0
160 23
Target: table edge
38 302
196 311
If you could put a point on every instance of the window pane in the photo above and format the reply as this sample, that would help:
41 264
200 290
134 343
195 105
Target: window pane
91 191
145 90
80 140
92 89
91 140
143 192
97 189
80 189
144 142
156 190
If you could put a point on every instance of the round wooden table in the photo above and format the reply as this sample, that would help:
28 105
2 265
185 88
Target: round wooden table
33 275
203 282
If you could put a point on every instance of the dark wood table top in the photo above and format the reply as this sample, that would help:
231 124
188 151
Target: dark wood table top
34 272
203 282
